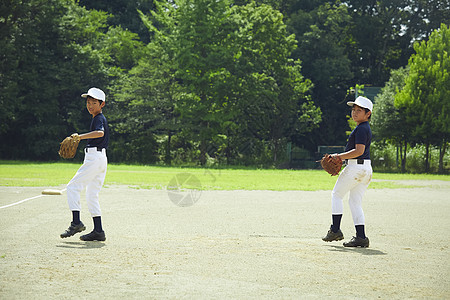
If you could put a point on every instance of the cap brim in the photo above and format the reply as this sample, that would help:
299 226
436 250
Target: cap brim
84 95
351 103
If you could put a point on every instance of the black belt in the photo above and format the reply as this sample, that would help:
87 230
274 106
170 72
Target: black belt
99 149
359 161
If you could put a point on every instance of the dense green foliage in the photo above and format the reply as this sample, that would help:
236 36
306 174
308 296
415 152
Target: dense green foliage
51 52
389 122
425 99
215 82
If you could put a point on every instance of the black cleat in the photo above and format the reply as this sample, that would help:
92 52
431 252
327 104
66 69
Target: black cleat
333 236
358 242
94 236
73 228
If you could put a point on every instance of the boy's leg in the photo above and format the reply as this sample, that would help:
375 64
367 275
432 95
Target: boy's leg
355 204
92 191
343 184
84 175
74 188
94 186
364 175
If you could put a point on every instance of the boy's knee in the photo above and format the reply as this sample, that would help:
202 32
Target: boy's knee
70 187
336 196
73 188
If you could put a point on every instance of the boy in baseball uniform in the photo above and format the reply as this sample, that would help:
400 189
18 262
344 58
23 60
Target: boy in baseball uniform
91 175
355 177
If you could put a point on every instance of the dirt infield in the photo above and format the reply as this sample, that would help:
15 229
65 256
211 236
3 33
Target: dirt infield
229 244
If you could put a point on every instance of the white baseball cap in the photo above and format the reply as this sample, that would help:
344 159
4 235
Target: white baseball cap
363 102
95 93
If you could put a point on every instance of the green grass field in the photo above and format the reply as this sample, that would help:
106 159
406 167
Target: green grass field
13 173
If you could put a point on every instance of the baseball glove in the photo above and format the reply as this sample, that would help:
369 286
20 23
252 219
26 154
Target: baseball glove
69 146
331 164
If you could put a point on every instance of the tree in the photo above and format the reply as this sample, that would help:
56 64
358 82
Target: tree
322 31
273 100
123 13
380 40
235 75
47 64
389 122
425 97
54 50
425 16
349 42
145 98
202 55
218 74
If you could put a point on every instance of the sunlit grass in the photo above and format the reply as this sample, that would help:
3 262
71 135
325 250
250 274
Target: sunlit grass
157 177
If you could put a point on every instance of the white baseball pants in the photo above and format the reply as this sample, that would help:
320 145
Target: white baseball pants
355 179
90 177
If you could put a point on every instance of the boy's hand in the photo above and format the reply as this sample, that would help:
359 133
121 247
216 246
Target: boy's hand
69 146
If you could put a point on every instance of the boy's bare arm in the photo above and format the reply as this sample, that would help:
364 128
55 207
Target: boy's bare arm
92 135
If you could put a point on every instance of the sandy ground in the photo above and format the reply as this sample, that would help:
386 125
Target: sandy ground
229 244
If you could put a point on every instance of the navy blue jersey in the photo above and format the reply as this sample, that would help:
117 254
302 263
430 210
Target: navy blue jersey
99 123
360 135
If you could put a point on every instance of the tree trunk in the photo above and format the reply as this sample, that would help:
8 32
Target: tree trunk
442 150
228 150
427 157
404 158
168 158
396 157
204 127
275 150
203 152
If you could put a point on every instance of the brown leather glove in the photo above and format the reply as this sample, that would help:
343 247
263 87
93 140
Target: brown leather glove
69 146
331 164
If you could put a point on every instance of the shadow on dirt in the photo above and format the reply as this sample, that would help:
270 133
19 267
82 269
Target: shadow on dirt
362 251
82 245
